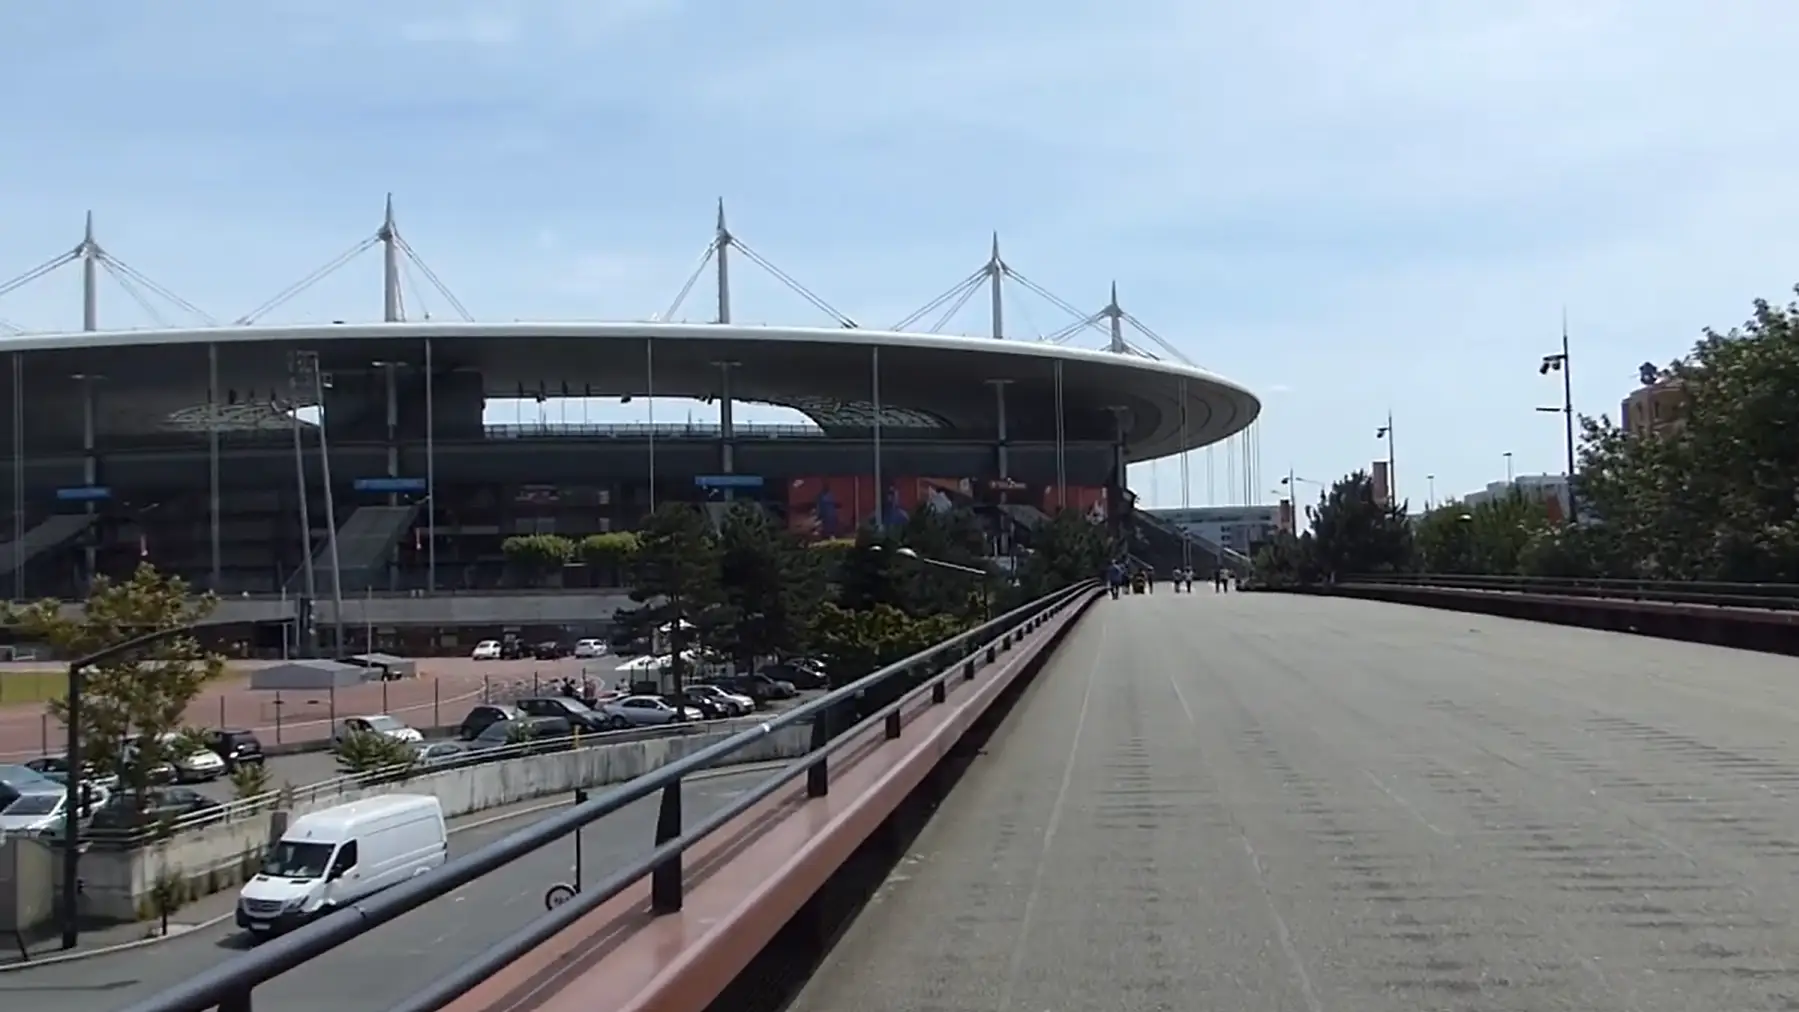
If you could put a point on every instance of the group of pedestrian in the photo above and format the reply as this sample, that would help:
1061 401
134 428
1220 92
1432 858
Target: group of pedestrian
1120 575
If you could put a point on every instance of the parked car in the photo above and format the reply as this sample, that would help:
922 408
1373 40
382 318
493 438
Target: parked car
760 688
41 812
478 717
56 767
549 650
237 748
523 733
646 711
441 753
486 650
709 707
121 814
378 723
590 648
734 704
187 760
578 714
800 672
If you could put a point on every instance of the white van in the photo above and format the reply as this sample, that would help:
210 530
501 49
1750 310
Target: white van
336 856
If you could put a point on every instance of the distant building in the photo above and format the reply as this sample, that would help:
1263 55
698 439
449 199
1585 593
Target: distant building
1655 407
1240 528
1551 489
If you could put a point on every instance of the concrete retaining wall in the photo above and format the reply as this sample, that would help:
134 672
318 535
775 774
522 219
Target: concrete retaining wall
117 884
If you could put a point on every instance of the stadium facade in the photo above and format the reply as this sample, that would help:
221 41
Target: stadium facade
230 454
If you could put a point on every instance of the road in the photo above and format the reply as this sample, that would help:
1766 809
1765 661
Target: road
379 969
1265 802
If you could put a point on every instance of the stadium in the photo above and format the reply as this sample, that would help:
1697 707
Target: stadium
253 460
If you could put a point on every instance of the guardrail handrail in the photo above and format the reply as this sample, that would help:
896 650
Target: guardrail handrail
229 986
1764 596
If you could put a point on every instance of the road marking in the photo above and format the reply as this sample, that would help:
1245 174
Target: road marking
1403 803
1016 964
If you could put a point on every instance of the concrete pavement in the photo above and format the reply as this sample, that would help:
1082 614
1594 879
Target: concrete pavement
386 965
1255 801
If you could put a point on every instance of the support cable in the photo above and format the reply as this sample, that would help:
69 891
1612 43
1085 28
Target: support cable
692 280
120 270
48 266
1062 336
408 282
1143 328
431 276
953 293
955 307
10 327
124 281
292 291
1084 319
798 289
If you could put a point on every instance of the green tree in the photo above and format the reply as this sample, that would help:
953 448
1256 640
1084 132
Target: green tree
1354 533
538 556
374 752
675 580
871 572
143 695
1286 560
1716 497
856 643
250 780
1066 550
609 555
771 585
1489 537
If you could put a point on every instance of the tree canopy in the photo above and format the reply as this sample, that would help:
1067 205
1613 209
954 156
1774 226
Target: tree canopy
1714 495
139 698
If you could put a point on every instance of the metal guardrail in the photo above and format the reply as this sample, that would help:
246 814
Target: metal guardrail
260 805
229 987
1764 596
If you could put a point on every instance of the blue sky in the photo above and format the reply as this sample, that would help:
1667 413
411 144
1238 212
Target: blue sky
1344 206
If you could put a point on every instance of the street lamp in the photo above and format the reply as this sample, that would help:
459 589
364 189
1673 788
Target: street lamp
1559 362
1386 432
1430 496
954 567
1508 466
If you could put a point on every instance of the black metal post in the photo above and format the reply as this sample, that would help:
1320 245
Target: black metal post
665 879
580 799
818 776
71 821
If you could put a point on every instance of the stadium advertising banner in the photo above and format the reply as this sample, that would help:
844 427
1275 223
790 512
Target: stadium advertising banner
834 506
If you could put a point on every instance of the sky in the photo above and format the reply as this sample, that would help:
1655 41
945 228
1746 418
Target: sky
1348 208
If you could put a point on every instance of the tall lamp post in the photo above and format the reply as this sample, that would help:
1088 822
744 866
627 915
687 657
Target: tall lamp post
1386 432
1559 362
975 571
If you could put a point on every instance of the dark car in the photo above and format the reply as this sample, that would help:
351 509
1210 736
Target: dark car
523 734
549 650
710 707
760 688
163 804
801 673
480 716
578 714
237 748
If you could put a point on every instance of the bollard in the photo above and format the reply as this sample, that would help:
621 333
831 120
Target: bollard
436 703
222 723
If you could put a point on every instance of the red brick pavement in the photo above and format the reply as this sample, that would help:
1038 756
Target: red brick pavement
443 692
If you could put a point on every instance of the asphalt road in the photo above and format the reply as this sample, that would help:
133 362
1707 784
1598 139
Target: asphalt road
1267 802
390 963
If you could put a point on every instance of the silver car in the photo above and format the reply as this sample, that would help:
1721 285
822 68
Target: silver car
645 711
733 703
